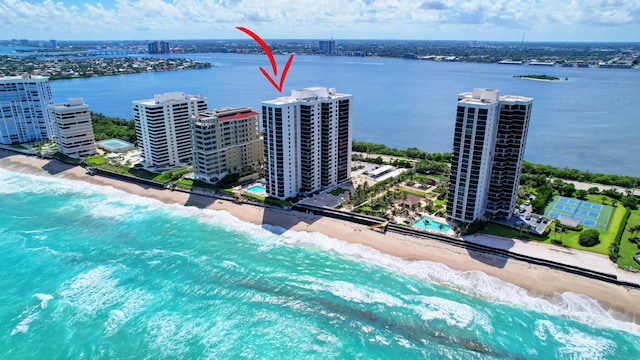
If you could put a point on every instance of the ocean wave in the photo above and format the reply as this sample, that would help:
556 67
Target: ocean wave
572 343
453 313
351 292
31 313
569 305
99 290
476 283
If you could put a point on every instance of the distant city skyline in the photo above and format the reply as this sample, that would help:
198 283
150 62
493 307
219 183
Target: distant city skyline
499 20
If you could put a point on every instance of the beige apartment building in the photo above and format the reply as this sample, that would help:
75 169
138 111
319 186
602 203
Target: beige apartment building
72 129
225 141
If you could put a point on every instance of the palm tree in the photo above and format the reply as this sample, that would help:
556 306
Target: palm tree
562 230
522 227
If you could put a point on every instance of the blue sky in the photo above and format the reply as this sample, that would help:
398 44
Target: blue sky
483 20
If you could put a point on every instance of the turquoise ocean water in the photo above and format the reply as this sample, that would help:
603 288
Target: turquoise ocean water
90 272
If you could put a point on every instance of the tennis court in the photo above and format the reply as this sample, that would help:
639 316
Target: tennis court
587 213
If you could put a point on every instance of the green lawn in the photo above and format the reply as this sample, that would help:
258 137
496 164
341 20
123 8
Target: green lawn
19 147
96 160
62 157
267 200
337 192
503 231
442 202
627 248
570 238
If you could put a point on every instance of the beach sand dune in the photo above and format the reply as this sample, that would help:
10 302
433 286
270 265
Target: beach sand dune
539 281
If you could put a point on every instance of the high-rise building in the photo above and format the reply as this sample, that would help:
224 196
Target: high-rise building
163 127
72 129
327 46
53 44
225 141
23 109
488 148
307 141
158 47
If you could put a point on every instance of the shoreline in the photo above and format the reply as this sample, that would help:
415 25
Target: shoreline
538 281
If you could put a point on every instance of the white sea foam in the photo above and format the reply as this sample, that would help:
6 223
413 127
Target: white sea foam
108 209
92 291
135 301
573 343
23 326
98 290
44 299
114 322
354 292
170 333
452 312
229 264
31 313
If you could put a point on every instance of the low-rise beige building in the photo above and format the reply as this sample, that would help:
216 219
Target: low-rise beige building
225 141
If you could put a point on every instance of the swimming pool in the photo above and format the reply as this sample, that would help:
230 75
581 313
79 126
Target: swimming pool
431 224
257 189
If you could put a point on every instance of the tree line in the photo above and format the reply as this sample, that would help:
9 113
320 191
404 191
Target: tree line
578 175
106 127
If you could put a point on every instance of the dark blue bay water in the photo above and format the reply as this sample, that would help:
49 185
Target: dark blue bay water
90 272
588 122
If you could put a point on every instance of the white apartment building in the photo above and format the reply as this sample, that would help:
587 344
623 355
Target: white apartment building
488 148
307 141
163 128
72 129
225 141
23 109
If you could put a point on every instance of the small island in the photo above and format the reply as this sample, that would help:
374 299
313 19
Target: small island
538 77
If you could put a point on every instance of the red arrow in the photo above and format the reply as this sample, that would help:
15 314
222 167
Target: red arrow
274 66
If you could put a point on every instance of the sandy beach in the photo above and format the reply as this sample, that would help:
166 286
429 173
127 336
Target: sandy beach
540 281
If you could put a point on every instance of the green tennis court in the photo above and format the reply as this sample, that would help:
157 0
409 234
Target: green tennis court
587 213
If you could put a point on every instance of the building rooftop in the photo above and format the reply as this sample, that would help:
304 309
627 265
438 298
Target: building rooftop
314 93
515 98
169 97
237 116
23 77
71 102
227 114
481 96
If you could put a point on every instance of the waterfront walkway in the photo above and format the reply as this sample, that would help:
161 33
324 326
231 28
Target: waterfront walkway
560 254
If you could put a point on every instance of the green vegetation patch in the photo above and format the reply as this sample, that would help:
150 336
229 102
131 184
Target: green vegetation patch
97 160
64 158
589 238
172 175
337 192
106 127
507 232
627 247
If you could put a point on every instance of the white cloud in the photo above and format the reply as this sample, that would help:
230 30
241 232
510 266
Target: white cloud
412 19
